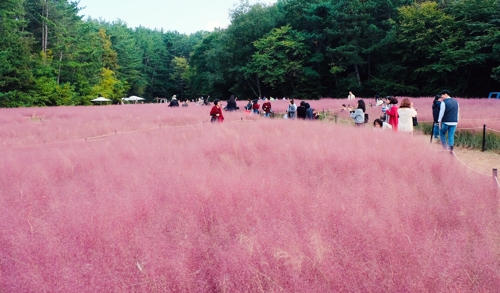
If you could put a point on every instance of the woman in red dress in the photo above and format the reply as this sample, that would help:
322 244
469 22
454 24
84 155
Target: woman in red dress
216 112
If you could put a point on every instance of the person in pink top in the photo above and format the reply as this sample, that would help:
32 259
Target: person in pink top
391 111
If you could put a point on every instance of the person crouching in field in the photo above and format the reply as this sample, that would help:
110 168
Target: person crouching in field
359 114
379 124
406 112
216 112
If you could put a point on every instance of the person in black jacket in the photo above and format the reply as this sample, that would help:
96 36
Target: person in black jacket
231 104
436 106
301 110
174 102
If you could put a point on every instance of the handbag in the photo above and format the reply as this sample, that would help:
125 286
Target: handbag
415 121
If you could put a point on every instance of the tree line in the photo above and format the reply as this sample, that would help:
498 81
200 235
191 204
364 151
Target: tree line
49 55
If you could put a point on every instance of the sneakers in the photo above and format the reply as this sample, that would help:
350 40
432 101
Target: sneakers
451 149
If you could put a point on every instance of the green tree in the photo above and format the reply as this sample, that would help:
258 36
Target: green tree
279 59
16 79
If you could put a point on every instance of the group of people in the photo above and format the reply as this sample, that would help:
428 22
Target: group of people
403 118
303 111
400 118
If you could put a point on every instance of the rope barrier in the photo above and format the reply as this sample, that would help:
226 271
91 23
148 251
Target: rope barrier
454 154
494 130
105 136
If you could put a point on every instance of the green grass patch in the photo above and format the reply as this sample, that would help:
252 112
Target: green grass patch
468 138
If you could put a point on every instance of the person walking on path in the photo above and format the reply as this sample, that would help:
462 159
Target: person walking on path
216 112
448 120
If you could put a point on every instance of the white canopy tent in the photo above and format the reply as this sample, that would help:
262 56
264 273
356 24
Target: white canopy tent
100 100
134 98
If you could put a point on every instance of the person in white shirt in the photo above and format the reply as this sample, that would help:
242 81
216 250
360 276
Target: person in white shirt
351 96
406 113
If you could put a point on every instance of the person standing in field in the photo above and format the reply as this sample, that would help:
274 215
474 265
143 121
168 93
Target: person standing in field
391 111
436 107
216 112
266 107
448 120
351 96
359 114
292 110
406 112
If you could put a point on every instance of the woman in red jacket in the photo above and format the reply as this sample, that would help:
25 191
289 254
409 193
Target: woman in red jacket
216 112
391 111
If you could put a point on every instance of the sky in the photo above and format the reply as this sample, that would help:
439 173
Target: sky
184 16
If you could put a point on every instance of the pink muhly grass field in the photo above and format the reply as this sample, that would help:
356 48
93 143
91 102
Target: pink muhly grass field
262 205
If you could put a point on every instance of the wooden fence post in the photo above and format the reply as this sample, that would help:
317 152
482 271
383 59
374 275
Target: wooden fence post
484 137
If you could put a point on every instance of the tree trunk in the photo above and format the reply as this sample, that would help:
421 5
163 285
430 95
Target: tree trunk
357 74
59 71
45 30
258 85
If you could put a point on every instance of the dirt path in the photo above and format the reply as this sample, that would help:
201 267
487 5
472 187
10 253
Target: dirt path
482 162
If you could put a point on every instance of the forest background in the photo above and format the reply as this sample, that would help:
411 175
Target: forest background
50 56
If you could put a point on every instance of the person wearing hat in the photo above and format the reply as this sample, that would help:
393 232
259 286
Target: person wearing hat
216 112
448 120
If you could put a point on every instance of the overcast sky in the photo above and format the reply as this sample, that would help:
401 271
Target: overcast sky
184 16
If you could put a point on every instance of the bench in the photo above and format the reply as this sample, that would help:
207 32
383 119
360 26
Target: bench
494 93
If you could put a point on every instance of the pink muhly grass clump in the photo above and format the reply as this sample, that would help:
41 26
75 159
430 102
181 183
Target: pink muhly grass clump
245 206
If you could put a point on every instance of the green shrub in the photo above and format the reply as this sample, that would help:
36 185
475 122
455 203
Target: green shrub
468 139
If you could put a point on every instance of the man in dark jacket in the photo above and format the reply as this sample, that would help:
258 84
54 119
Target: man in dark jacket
301 110
436 106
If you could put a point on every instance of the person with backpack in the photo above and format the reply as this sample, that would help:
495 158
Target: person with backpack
406 112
